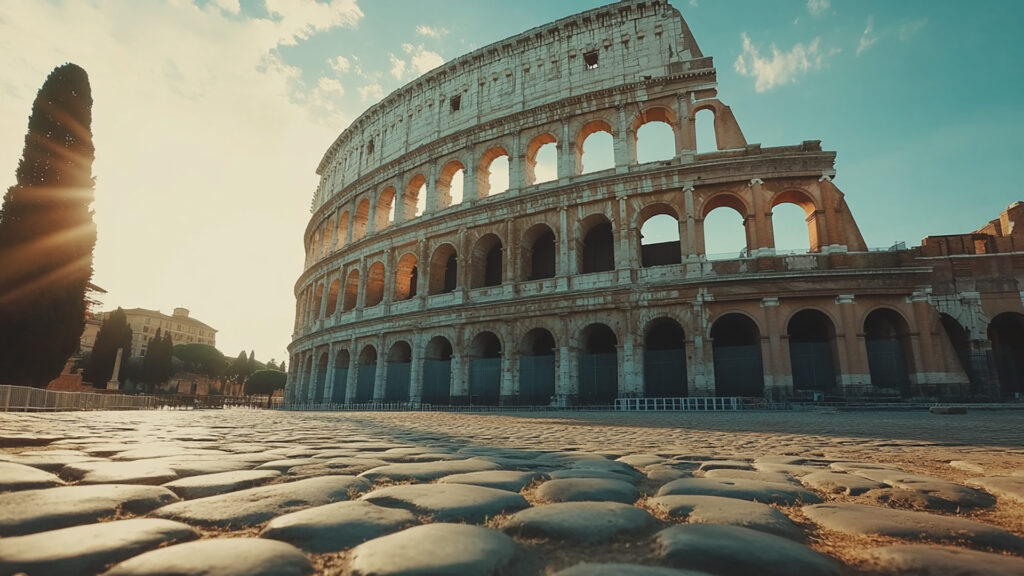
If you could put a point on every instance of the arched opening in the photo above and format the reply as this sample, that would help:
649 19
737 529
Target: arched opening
736 346
341 363
351 290
598 251
707 140
406 277
539 255
444 270
492 176
360 220
384 215
793 222
414 200
437 371
595 146
449 184
321 379
960 341
318 296
487 262
887 338
1006 332
307 374
665 360
598 366
374 285
343 229
659 237
812 350
655 138
396 389
537 368
332 297
366 375
542 159
485 370
725 233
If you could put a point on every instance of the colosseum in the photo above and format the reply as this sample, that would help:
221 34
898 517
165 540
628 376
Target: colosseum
420 291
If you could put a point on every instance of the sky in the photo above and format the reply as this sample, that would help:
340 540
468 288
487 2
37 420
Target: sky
210 117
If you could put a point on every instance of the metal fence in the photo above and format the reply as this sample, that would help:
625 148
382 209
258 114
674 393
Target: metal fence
24 399
689 403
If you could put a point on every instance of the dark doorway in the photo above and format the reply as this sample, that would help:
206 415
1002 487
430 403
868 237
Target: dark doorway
485 370
341 362
437 371
665 360
366 375
811 343
396 388
736 346
887 340
1006 331
598 366
537 368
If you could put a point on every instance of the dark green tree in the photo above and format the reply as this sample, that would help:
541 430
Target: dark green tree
240 367
114 333
201 358
47 234
156 366
265 382
282 367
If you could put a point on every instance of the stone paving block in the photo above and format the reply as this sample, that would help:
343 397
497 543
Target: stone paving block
17 440
578 521
729 511
911 525
1009 487
87 549
21 477
767 492
219 557
198 465
725 465
30 511
641 460
588 490
136 472
427 471
448 502
927 560
756 475
591 473
338 526
435 550
663 474
165 451
213 484
257 505
937 489
735 550
837 483
585 569
287 464
49 460
511 480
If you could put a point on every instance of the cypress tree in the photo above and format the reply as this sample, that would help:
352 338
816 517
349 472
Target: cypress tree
114 333
47 234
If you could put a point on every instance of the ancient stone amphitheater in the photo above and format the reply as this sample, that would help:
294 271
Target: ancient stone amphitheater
546 293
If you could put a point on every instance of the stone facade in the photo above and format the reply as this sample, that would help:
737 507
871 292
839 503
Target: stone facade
545 294
183 328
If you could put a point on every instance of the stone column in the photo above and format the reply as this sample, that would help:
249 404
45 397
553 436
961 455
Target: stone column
508 383
353 372
470 194
416 370
777 378
314 371
854 374
566 155
329 383
380 376
460 382
113 383
621 145
508 258
371 216
422 271
686 133
516 166
564 268
430 202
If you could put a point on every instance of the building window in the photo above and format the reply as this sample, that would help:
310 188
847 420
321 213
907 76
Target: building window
590 59
456 102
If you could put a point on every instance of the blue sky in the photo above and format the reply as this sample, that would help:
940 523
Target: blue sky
211 116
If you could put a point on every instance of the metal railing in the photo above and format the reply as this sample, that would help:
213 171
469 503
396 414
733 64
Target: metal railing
703 403
24 399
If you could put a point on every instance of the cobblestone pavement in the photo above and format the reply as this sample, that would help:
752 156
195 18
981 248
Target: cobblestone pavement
225 492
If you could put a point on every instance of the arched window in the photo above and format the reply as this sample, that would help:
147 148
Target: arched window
444 270
542 159
351 290
793 223
598 365
539 256
414 200
332 297
449 185
597 254
736 347
384 215
374 284
406 277
654 131
725 233
659 237
493 176
595 147
707 140
487 269
361 219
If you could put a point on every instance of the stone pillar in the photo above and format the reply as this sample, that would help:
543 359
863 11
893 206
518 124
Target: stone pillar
470 193
460 380
329 383
566 155
516 166
380 376
564 269
508 258
430 202
621 145
371 216
361 289
703 355
422 271
416 370
314 371
778 380
353 372
685 131
925 351
855 376
631 384
688 227
113 383
507 394
348 229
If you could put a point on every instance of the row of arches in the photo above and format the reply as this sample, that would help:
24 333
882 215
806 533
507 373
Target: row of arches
652 135
539 368
656 241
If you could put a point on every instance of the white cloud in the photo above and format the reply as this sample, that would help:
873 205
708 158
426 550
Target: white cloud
205 147
782 67
340 64
909 29
818 7
397 66
370 92
867 38
424 30
693 3
231 6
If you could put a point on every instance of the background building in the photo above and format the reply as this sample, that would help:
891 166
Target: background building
183 328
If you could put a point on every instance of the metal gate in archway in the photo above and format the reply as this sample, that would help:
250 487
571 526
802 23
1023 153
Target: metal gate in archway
738 371
536 380
665 373
437 377
364 383
599 378
397 387
340 385
485 381
812 365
